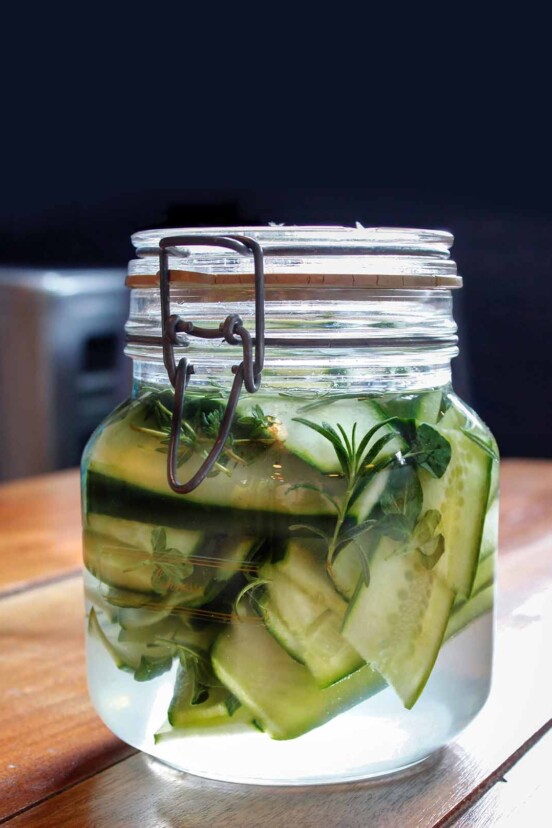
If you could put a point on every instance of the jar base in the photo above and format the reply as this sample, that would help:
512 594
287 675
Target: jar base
373 740
361 775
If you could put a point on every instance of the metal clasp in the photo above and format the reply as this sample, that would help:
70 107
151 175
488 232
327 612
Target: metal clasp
232 329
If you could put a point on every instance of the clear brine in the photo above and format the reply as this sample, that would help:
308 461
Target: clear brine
332 576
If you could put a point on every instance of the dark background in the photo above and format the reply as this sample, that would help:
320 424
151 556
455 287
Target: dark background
503 249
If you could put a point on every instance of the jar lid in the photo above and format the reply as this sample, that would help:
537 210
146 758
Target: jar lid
380 257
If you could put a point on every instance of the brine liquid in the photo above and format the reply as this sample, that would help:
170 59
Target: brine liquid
376 737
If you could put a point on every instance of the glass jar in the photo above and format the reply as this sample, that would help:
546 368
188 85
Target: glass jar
318 607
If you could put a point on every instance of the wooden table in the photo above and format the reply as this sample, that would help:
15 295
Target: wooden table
60 766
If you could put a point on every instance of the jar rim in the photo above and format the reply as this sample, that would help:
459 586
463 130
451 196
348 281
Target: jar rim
377 257
312 237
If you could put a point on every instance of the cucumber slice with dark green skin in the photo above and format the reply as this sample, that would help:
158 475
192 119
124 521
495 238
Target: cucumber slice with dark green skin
197 566
424 407
489 539
368 498
213 708
313 448
124 453
281 693
397 623
119 552
303 611
461 497
211 712
476 606
484 577
117 498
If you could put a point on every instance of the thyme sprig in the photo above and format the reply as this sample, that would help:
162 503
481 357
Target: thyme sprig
251 433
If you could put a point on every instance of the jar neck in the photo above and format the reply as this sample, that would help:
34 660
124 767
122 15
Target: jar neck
361 341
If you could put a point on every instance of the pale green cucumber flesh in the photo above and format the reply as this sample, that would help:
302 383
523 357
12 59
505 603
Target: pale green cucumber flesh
127 655
281 693
461 497
483 578
118 655
489 539
369 496
317 451
347 570
397 623
479 603
213 559
302 610
422 407
209 712
119 552
124 454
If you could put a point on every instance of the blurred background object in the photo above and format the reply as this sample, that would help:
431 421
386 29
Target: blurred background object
63 301
62 367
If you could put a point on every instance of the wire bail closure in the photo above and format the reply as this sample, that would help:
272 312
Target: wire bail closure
232 329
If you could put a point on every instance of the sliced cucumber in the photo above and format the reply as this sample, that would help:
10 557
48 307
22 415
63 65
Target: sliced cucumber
212 712
461 497
347 570
120 552
304 612
424 407
281 693
473 608
128 654
397 623
489 539
118 654
484 577
139 535
126 454
316 450
118 498
196 565
369 496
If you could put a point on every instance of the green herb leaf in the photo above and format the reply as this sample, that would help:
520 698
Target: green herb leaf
430 450
330 434
152 666
431 552
354 532
369 434
308 528
403 495
232 704
396 526
158 539
160 581
426 526
311 487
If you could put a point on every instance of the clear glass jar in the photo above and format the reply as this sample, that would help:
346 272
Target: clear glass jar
319 608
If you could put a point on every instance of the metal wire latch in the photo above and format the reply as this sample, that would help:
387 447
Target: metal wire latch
232 329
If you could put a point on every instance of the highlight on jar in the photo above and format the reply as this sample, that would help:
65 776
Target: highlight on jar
290 528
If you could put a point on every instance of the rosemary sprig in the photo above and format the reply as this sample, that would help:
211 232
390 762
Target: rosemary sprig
358 462
398 514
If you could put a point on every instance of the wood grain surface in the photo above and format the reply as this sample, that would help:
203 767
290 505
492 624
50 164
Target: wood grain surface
521 797
49 734
68 769
40 529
